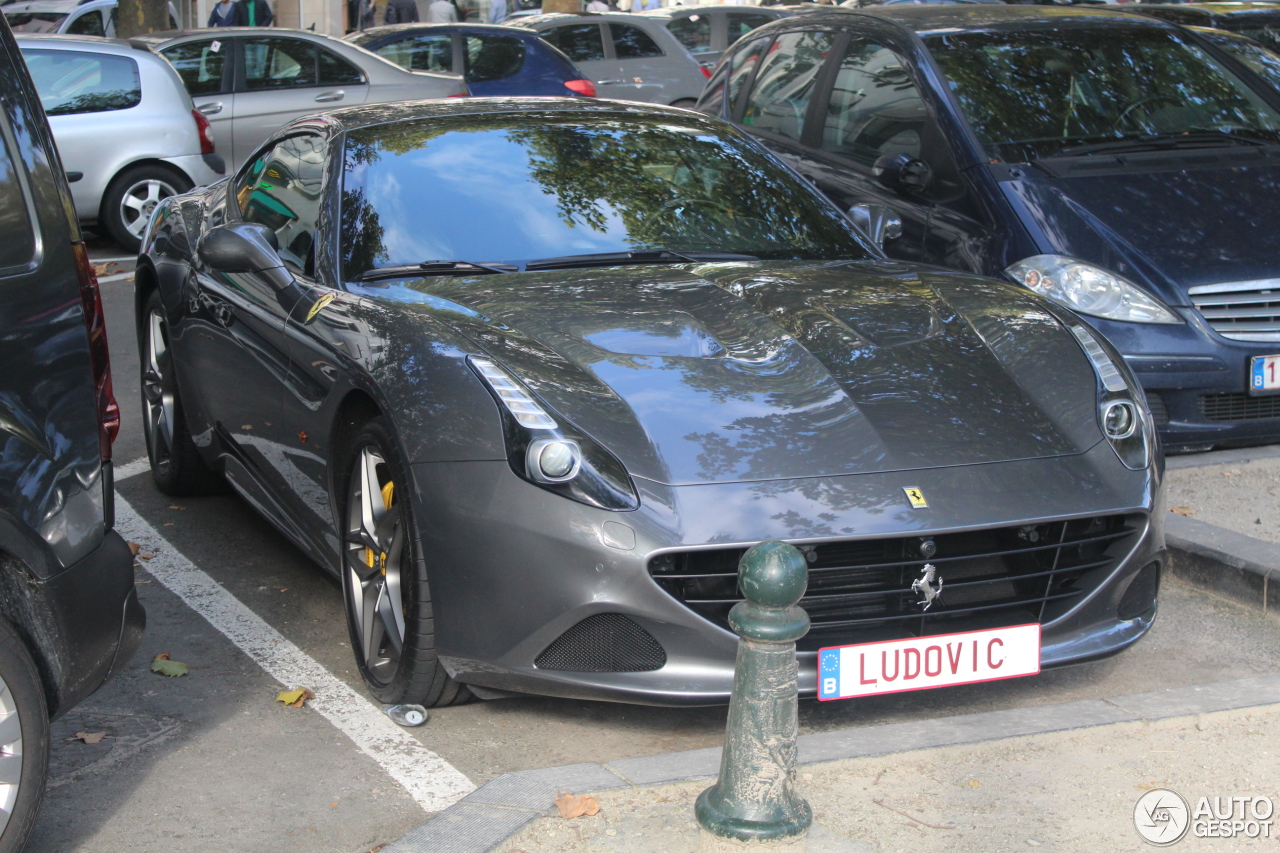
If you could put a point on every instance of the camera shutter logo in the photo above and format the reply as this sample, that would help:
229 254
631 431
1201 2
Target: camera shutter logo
1161 817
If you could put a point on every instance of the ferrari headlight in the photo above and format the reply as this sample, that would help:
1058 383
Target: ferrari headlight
549 452
1122 411
1088 289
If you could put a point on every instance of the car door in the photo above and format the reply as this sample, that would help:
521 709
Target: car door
647 72
283 78
206 71
584 45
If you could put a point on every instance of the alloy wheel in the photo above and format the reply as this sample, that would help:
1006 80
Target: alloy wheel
140 200
157 390
10 754
375 551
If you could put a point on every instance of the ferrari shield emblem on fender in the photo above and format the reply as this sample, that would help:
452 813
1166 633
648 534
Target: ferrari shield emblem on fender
916 497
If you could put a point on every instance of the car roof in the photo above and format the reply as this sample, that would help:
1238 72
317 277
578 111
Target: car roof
93 44
533 21
371 115
686 11
929 18
422 26
226 32
1212 10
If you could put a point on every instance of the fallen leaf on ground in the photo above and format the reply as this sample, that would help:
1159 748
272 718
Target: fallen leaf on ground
107 268
91 737
974 783
571 806
295 698
134 548
175 506
1182 510
162 665
147 555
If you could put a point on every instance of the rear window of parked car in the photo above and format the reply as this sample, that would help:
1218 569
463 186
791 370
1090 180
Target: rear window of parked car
581 42
73 82
199 64
739 25
632 42
493 57
421 53
19 244
694 32
285 63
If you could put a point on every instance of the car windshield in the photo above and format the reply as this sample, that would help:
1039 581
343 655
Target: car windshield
1031 94
501 189
35 22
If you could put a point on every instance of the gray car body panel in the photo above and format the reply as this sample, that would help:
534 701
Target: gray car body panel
720 17
816 392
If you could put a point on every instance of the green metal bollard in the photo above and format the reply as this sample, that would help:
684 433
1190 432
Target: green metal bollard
755 797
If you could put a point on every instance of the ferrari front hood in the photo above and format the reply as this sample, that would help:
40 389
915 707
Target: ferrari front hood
761 371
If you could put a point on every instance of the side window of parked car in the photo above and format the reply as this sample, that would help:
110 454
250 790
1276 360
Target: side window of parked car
1268 34
580 42
421 53
784 85
336 71
88 24
694 32
200 64
740 24
875 108
278 63
19 244
1255 57
71 82
632 42
493 57
744 62
281 188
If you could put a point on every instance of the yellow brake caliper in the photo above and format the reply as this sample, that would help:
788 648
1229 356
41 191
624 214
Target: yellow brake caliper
388 497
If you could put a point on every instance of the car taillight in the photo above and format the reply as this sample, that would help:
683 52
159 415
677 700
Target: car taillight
99 356
202 126
706 72
582 87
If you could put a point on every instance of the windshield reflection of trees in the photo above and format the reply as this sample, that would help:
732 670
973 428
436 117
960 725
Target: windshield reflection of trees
647 185
1029 97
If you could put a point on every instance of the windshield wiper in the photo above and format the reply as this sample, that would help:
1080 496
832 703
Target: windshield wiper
1163 141
436 268
657 256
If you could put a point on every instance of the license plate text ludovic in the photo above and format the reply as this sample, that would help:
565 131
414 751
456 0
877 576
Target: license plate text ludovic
919 663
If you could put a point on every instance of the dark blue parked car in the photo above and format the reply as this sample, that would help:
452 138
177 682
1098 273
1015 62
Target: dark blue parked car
1117 164
495 61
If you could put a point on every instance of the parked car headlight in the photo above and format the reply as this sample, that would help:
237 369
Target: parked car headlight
551 453
1088 289
1122 411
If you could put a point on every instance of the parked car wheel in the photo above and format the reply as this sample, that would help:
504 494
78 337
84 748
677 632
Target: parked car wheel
384 577
24 741
176 465
684 103
132 196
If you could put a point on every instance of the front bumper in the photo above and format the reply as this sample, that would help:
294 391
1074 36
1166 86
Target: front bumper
1197 382
514 567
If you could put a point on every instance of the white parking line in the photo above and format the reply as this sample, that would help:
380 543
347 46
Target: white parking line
433 782
132 469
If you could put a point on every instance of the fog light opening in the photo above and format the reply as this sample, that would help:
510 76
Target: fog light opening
1140 596
553 460
1119 419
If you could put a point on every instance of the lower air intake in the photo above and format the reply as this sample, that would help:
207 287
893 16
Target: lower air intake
606 642
1239 407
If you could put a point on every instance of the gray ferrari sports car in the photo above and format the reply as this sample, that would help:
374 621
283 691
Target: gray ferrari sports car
529 376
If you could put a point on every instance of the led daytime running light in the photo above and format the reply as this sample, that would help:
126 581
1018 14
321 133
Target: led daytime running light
1110 375
517 401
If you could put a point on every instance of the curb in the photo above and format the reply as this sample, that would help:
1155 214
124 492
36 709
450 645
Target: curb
1223 561
486 818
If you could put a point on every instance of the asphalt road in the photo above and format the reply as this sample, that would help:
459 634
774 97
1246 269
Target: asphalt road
211 761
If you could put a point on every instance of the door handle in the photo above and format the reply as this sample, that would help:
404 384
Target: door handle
609 82
210 109
878 222
337 95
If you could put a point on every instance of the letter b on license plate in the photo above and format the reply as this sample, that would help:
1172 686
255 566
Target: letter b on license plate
869 669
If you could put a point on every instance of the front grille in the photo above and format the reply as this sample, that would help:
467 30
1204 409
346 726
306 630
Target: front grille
1159 411
860 590
1241 310
606 642
1239 407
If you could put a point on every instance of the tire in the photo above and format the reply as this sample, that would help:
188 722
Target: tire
176 466
374 510
21 697
132 196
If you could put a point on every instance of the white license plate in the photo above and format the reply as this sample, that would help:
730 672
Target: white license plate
1264 373
894 666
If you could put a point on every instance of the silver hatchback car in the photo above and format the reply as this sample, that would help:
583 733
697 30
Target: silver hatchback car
125 127
83 18
248 81
628 57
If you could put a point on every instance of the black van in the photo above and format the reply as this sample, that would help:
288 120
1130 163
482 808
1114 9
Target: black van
69 614
1118 164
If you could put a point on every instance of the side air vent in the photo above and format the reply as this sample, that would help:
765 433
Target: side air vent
606 642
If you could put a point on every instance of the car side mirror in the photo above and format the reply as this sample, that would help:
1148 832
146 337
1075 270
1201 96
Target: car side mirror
902 172
245 247
878 222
